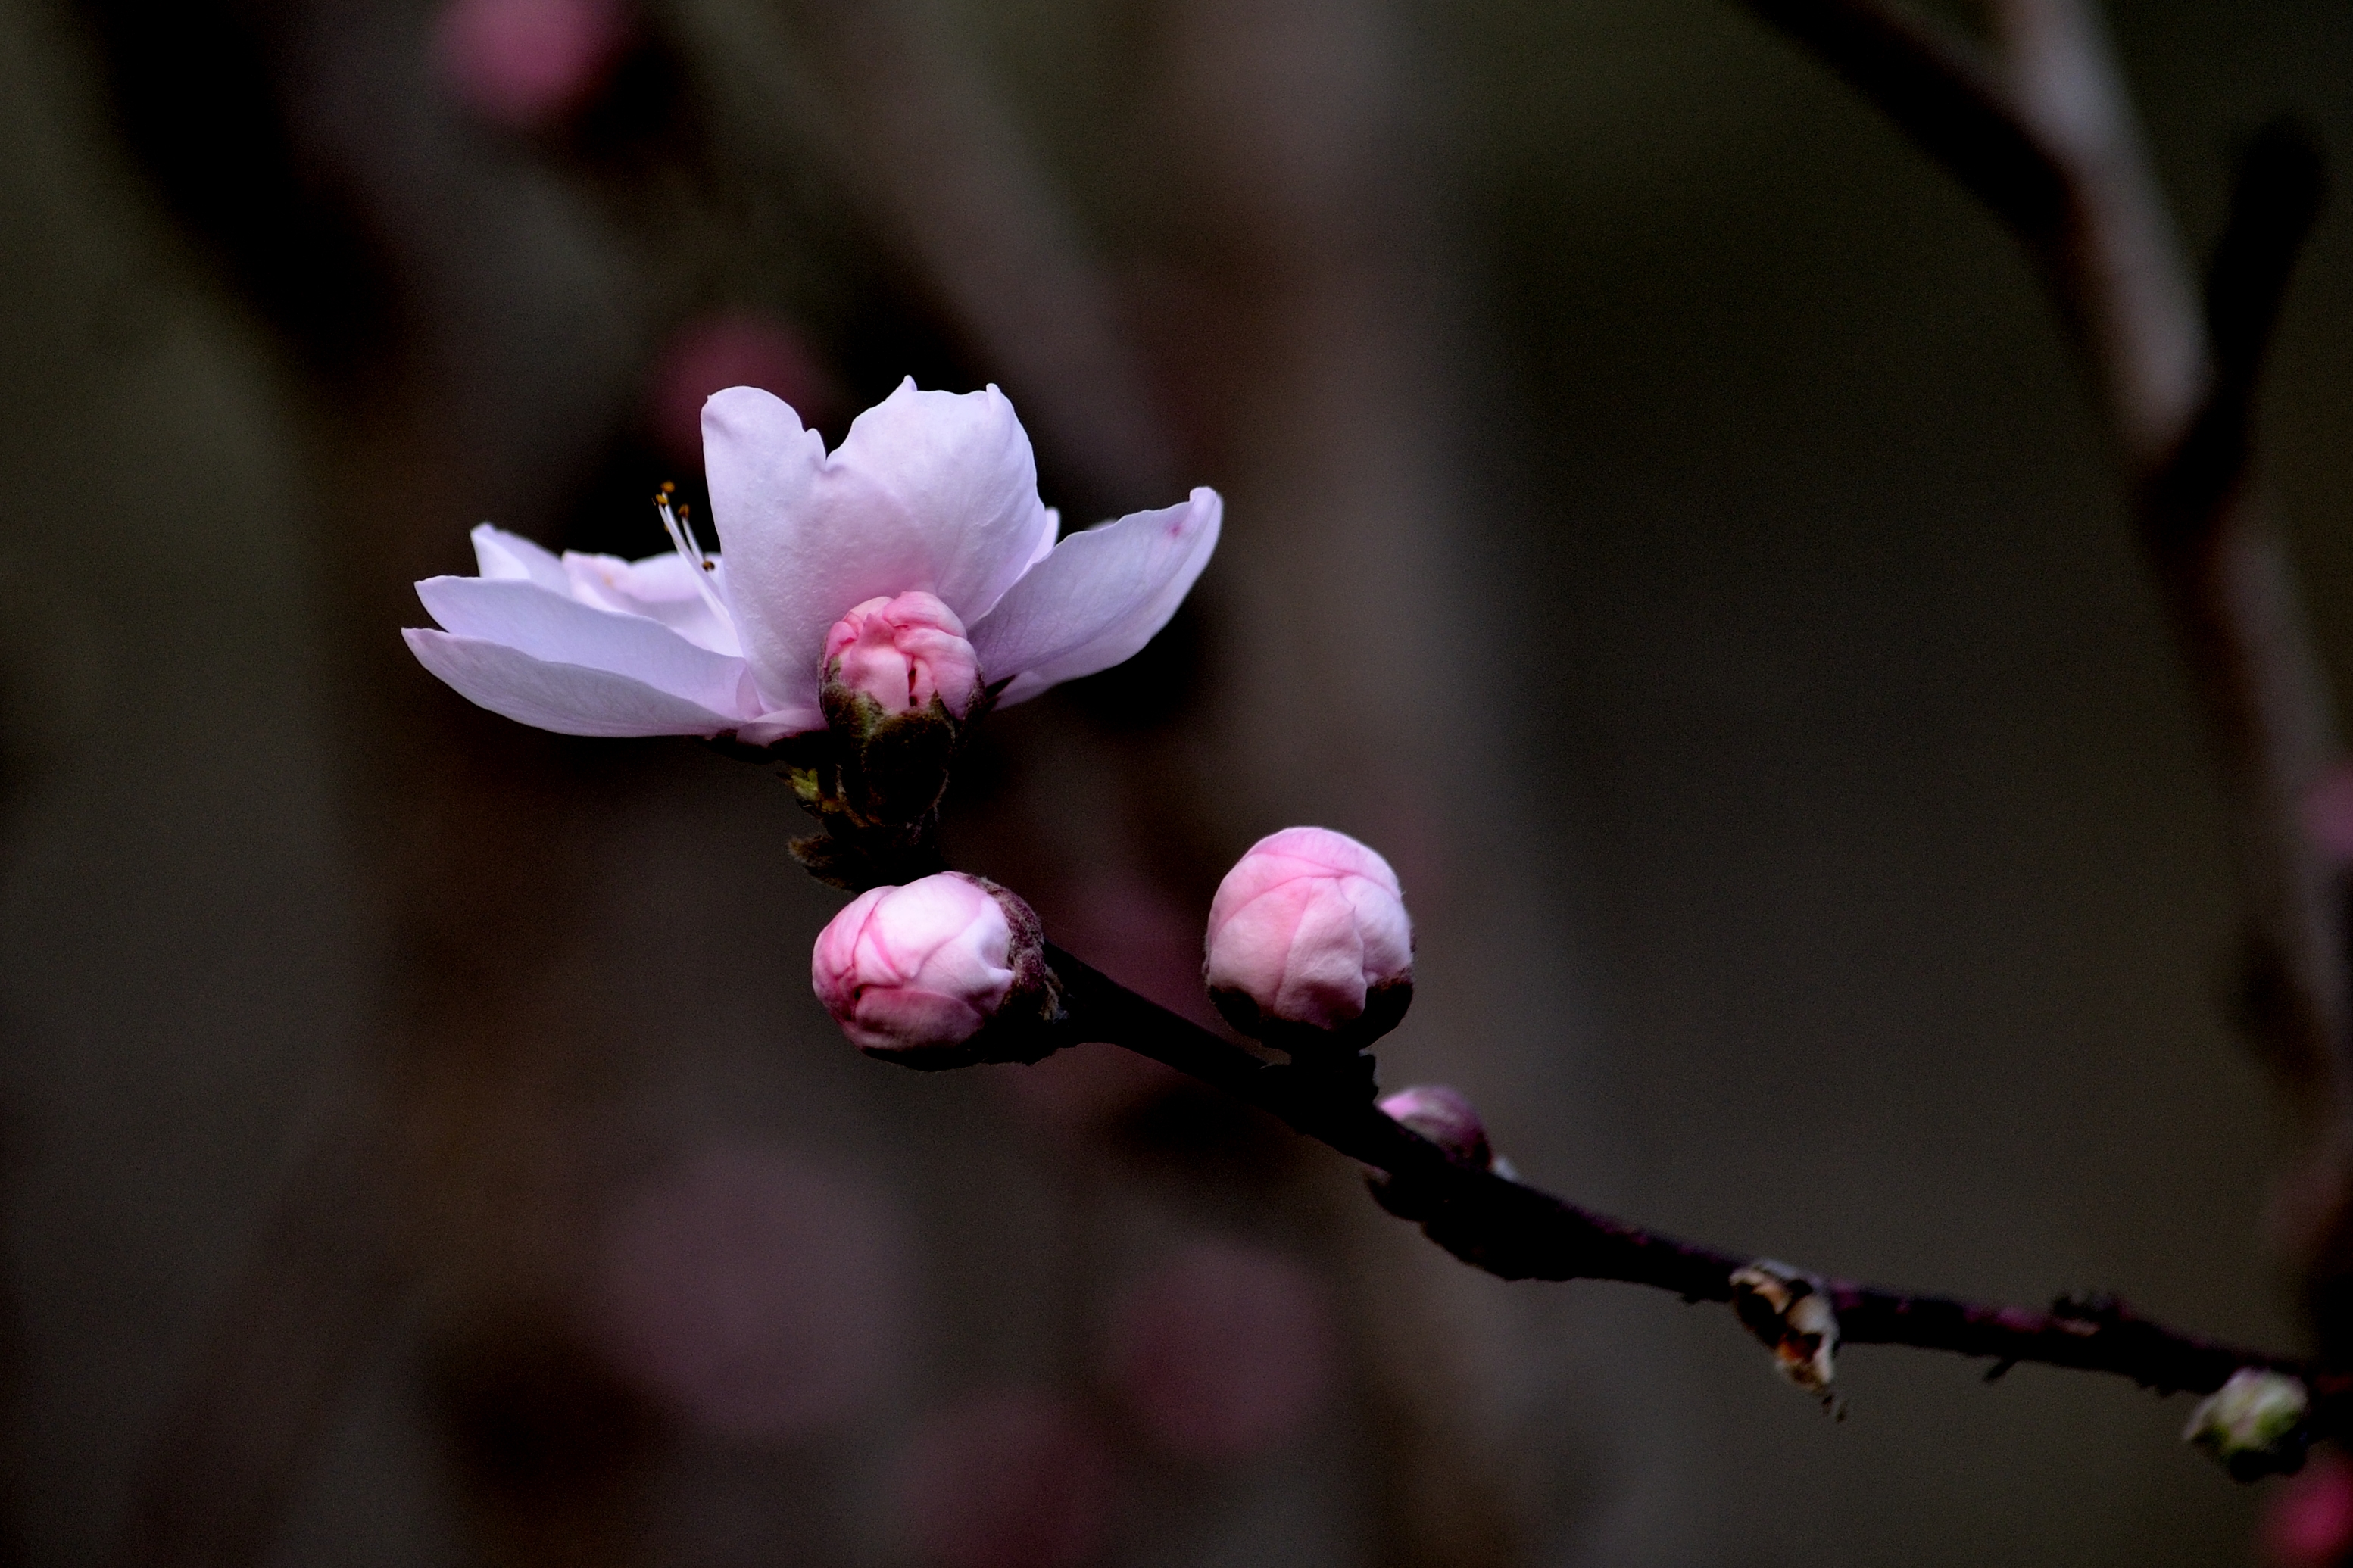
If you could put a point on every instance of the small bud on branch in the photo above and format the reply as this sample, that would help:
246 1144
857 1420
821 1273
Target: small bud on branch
1444 1117
2254 1423
1790 1314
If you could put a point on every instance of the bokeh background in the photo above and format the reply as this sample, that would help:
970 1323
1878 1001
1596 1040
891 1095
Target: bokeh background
1662 517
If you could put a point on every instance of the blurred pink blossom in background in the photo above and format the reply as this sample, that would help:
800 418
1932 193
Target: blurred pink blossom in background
2329 814
758 1293
2307 1519
1008 1479
1141 935
525 64
739 348
1224 1349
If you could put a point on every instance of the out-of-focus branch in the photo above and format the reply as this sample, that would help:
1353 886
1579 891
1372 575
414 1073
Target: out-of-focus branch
1943 92
1518 1231
2045 135
2117 271
924 147
2275 202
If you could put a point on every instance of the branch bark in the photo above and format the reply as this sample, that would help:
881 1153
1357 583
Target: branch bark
1518 1231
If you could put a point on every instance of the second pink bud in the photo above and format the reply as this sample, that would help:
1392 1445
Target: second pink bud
1309 931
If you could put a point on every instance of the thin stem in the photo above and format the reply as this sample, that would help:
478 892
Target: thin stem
1518 1231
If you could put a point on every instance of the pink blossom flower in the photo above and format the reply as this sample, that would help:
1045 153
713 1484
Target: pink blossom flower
1307 928
904 652
930 492
524 63
916 968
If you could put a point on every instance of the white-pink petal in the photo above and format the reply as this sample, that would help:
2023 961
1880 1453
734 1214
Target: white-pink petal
1098 597
559 630
931 491
568 698
660 588
762 466
958 468
503 556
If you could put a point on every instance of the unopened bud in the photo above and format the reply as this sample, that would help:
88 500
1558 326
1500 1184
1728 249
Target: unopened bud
2254 1423
902 653
1791 1312
898 681
1444 1117
1309 940
918 974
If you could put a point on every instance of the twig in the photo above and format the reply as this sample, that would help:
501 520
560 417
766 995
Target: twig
1517 1232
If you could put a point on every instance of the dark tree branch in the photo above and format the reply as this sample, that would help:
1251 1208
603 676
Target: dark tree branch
1517 1232
1942 90
2274 200
2046 139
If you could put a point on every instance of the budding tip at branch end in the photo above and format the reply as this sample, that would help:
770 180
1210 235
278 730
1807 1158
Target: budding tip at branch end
2256 1425
1789 1312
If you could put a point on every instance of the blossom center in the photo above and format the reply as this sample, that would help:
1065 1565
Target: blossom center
903 652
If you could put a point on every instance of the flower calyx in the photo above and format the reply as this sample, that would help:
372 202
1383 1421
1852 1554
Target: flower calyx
900 689
1789 1312
2257 1423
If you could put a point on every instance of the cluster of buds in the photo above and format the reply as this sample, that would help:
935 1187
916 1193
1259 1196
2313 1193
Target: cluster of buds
1309 946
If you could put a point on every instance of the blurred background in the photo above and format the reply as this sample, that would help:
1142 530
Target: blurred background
1663 518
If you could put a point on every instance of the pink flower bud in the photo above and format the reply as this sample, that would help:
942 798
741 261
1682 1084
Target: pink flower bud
920 968
1309 929
904 652
1442 1115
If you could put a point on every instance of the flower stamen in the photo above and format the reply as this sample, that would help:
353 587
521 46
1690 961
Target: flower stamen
682 539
